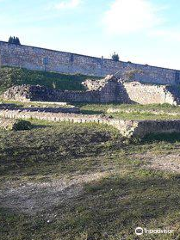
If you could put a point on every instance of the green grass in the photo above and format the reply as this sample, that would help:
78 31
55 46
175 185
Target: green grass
129 196
34 104
53 142
127 112
17 76
136 112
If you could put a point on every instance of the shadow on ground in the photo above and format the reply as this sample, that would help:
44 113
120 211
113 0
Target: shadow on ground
110 208
166 137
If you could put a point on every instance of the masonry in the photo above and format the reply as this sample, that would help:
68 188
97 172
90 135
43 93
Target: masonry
35 58
152 94
107 90
127 128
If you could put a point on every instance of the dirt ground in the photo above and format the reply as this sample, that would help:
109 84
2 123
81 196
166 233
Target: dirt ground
33 197
165 162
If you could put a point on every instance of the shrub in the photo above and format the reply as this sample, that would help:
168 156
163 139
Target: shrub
22 125
115 57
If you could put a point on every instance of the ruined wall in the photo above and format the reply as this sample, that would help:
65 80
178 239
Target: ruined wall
111 92
150 94
26 93
126 128
34 58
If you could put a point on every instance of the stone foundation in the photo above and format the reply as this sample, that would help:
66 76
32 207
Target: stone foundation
126 128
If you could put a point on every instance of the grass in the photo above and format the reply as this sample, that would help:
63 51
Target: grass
127 112
34 104
52 142
126 194
17 76
108 208
133 112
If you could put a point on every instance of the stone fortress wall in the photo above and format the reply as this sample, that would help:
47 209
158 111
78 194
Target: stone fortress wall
35 58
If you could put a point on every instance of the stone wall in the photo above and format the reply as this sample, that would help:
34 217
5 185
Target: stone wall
111 91
126 128
151 94
35 58
26 93
107 90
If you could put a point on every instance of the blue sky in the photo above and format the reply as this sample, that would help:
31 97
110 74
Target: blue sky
141 31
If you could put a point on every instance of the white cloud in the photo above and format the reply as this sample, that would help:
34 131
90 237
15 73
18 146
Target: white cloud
68 4
128 16
172 35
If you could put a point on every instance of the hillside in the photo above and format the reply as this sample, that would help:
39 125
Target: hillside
17 76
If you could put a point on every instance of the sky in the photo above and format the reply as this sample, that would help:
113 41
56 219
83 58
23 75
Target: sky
140 31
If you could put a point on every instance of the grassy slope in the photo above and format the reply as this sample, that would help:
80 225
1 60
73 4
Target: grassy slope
128 197
16 76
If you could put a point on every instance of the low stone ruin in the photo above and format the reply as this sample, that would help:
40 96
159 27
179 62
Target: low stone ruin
108 90
127 128
152 94
24 93
42 108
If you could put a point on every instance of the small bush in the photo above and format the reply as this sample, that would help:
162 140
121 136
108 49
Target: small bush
115 57
22 125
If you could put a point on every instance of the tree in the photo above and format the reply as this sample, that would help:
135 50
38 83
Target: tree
10 39
14 40
17 41
115 57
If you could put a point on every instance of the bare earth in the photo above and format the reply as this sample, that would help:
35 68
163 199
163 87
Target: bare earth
31 198
165 162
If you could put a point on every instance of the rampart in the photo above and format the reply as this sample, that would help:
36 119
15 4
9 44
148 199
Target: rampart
35 58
